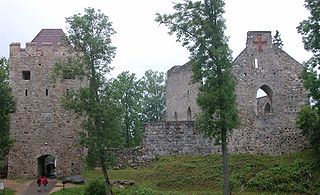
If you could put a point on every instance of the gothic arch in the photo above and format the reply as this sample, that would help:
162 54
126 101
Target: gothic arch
267 108
264 100
267 90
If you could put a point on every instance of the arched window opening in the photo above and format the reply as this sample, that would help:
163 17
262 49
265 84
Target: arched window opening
189 114
267 108
264 100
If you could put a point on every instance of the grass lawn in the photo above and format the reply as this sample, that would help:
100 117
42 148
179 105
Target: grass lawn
249 174
7 191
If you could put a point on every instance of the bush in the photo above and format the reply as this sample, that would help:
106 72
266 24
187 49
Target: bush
141 191
95 187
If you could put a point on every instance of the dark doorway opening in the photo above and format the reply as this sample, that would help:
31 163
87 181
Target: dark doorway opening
47 166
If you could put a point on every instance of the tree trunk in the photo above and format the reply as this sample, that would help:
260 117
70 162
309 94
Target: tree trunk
226 187
106 177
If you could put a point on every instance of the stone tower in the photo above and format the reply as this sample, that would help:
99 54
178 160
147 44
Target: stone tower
46 135
267 122
181 94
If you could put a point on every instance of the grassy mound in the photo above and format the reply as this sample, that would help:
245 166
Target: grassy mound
249 174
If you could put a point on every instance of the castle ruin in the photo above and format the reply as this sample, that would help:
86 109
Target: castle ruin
267 123
45 135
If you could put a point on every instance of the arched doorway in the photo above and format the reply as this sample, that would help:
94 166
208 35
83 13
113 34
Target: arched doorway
264 100
47 165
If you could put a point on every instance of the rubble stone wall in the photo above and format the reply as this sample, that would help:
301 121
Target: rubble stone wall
259 66
40 126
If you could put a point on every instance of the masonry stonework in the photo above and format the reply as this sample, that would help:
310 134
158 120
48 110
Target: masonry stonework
267 123
40 126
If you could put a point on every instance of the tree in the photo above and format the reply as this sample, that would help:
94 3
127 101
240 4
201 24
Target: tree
90 37
126 89
309 116
200 27
153 101
7 106
276 41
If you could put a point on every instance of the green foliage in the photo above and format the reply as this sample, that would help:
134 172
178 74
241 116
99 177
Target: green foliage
309 122
309 29
140 101
141 191
69 68
7 106
71 191
276 41
127 92
90 34
309 116
95 187
153 101
91 53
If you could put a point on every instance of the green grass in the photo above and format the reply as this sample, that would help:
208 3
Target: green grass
7 191
249 174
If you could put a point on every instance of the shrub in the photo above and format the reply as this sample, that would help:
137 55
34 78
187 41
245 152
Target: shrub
95 187
141 191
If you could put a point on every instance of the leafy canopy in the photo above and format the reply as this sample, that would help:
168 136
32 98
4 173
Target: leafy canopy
309 116
89 35
127 92
153 101
7 106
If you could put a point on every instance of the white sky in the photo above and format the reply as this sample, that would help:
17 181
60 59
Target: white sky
141 43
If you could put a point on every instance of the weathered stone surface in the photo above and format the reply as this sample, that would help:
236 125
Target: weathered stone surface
76 179
40 126
123 183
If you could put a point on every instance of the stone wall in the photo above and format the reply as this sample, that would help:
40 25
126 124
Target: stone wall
175 138
40 126
128 157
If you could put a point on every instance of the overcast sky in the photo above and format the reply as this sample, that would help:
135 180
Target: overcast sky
141 43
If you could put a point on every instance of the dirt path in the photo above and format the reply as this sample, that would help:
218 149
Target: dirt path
33 188
18 186
29 187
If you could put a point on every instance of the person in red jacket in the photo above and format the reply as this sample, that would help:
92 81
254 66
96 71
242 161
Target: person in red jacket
45 182
39 182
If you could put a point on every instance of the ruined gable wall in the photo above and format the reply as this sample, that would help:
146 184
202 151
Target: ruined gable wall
276 71
40 125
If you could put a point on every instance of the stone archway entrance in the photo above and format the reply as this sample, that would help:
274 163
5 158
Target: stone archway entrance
47 165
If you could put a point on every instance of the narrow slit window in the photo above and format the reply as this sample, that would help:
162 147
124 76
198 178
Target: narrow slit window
256 63
47 92
26 92
26 75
